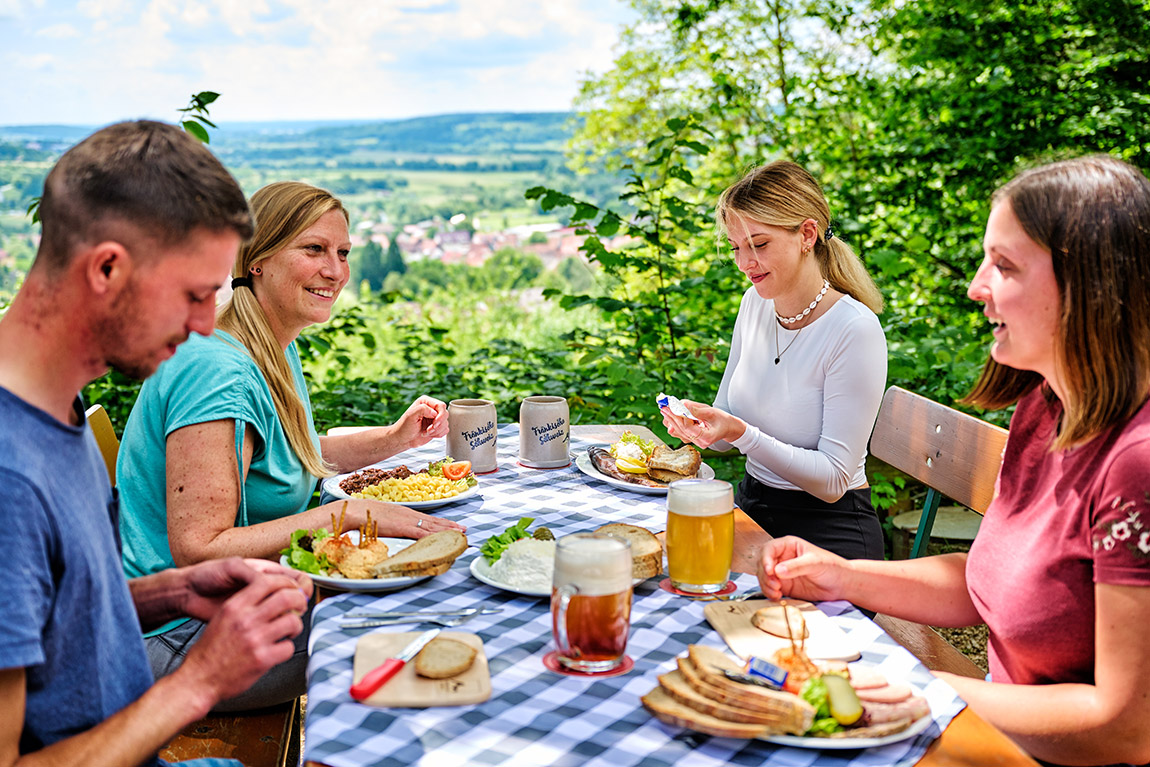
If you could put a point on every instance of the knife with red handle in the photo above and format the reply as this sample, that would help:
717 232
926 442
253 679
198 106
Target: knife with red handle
375 678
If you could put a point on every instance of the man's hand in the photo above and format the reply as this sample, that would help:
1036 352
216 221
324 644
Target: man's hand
424 420
713 426
209 584
248 633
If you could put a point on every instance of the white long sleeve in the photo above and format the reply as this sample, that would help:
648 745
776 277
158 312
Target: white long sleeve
810 416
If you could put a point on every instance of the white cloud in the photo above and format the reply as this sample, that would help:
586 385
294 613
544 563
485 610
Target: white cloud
58 32
301 59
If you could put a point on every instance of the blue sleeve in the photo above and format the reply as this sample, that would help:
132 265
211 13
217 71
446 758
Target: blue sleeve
30 590
214 382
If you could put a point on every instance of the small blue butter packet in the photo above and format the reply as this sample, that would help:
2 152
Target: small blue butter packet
764 669
675 405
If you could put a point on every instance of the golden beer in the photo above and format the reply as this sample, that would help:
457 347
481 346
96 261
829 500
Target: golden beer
591 601
700 534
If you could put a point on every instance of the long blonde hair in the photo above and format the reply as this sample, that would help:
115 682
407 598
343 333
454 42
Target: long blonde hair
1093 215
282 211
783 194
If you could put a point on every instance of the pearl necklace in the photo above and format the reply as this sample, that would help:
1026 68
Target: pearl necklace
805 312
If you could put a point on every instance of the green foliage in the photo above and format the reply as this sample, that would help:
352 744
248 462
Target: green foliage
195 120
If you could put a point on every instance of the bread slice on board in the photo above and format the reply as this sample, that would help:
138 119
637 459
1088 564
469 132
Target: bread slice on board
646 549
444 658
427 553
670 711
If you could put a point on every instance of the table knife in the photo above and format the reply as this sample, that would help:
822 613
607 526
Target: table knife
375 678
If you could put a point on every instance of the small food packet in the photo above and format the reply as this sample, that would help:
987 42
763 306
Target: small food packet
675 405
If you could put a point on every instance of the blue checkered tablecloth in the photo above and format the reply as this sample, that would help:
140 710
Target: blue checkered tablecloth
535 716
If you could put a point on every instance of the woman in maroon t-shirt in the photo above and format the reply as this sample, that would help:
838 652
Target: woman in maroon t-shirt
1060 569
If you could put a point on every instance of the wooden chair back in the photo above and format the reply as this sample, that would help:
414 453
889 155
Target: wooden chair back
105 437
954 454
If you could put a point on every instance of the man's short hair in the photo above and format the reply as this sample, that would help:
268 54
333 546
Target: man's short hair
149 176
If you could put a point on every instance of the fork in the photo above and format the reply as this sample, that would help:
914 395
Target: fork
449 621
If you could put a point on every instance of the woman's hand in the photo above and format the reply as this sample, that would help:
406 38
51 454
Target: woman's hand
713 426
791 567
394 520
424 420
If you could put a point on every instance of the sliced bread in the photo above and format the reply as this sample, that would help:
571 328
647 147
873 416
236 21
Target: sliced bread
425 554
677 687
670 711
646 549
444 658
667 465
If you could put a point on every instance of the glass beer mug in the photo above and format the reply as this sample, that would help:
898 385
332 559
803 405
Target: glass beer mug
591 601
700 534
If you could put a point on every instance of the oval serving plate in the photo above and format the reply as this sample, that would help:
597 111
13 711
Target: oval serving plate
332 488
799 741
583 463
336 583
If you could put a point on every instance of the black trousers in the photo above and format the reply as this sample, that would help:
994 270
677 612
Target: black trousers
848 527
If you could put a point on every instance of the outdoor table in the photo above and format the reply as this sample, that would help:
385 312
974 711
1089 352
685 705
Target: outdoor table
538 717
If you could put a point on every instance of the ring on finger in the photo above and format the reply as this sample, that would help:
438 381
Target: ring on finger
419 523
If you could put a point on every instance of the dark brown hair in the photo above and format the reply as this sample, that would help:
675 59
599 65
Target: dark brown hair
1093 215
145 175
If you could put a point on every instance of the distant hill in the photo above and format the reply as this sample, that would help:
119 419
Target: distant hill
474 134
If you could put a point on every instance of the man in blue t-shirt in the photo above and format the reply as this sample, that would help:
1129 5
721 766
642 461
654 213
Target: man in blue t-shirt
140 226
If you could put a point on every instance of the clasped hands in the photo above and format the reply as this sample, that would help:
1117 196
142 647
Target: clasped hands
252 609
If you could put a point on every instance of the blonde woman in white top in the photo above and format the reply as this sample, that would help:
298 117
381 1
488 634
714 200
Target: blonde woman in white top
807 367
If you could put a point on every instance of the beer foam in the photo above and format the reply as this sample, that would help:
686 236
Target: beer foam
596 565
700 497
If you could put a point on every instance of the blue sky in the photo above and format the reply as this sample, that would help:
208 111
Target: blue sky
97 61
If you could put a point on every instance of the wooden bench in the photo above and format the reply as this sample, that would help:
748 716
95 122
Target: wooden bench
955 455
267 738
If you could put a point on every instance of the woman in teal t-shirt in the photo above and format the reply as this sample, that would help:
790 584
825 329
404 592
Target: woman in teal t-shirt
220 455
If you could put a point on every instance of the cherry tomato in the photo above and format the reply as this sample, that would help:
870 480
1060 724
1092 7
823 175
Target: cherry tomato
457 470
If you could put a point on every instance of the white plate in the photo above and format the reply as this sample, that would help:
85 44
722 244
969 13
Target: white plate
332 488
583 462
482 571
798 741
394 546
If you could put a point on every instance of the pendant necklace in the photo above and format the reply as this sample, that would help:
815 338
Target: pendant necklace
779 354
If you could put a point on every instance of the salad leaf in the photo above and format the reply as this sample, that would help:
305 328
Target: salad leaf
493 548
814 691
299 552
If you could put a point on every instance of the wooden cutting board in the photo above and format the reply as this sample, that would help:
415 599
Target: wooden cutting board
733 622
409 690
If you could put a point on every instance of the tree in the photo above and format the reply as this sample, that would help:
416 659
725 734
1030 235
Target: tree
394 263
369 264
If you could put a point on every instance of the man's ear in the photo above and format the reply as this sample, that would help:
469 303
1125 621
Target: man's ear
107 266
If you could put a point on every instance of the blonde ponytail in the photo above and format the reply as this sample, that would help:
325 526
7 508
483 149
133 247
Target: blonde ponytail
784 194
282 211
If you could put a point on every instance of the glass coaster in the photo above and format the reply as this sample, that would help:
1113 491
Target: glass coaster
551 662
665 585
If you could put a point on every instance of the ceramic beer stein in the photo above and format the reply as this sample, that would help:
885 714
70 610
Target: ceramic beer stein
544 433
471 434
